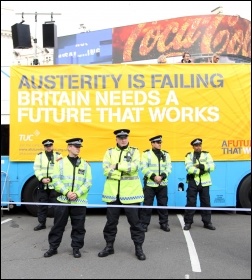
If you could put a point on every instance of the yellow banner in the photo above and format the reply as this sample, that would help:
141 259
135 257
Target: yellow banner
179 101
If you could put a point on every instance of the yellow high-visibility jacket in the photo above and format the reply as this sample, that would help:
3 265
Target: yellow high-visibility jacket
150 165
209 166
76 179
123 181
43 168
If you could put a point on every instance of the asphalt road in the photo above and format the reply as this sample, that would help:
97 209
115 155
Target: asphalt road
198 254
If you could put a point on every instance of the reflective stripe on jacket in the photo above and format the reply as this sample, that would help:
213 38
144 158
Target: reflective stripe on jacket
124 181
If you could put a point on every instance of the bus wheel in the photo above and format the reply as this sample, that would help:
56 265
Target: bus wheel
244 197
30 194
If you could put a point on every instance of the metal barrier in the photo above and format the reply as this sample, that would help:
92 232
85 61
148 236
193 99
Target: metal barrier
5 190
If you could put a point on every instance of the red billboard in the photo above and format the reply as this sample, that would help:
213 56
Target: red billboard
230 36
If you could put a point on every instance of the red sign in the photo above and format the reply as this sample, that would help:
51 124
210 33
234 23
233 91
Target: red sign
226 35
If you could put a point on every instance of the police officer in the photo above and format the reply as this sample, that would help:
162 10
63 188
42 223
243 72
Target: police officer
156 166
198 165
122 187
43 169
72 179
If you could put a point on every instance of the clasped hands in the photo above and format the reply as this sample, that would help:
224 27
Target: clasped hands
71 196
158 179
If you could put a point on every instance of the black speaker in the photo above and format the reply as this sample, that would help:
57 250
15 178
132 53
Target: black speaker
49 35
21 36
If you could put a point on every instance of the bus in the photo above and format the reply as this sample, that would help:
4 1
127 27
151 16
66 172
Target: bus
180 102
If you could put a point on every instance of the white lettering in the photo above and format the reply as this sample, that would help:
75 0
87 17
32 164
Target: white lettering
58 115
120 115
184 114
127 98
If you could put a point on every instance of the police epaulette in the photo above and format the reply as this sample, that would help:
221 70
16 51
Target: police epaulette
146 151
57 153
165 151
132 147
205 152
187 154
40 153
58 159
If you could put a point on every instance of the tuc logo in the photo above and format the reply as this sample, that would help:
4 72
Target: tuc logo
26 137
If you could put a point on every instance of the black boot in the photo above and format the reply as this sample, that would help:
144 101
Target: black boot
187 227
139 252
50 253
76 253
209 226
40 226
165 227
108 250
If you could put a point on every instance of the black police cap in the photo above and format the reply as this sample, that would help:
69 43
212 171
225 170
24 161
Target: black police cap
156 138
196 141
47 142
75 141
122 132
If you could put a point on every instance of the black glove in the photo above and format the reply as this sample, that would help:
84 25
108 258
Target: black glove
163 175
201 172
201 166
153 175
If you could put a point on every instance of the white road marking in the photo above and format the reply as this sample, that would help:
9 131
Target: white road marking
5 221
191 248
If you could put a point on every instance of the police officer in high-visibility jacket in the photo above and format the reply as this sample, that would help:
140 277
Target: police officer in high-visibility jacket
72 179
122 187
198 165
43 169
156 167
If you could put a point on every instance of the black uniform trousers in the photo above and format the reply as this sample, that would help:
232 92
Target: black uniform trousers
77 215
132 214
45 196
161 195
204 196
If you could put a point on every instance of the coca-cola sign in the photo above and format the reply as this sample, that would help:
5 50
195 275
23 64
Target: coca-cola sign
227 35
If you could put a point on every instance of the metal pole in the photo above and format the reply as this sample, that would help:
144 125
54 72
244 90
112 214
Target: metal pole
35 60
